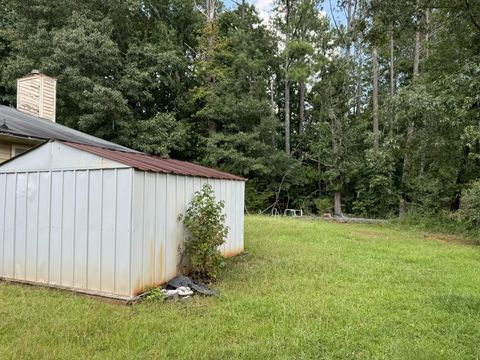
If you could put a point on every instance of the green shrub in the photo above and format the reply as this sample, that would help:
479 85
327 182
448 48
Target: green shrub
153 293
323 205
441 222
204 220
469 212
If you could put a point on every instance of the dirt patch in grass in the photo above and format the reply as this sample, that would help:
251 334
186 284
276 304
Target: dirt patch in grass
447 238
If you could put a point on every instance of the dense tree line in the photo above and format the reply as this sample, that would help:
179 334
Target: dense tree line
376 116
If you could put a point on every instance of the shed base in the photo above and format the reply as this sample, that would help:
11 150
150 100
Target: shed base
96 294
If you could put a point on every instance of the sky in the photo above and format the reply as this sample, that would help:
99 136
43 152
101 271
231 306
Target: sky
264 8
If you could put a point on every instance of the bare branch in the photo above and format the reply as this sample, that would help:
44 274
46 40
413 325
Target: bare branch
469 11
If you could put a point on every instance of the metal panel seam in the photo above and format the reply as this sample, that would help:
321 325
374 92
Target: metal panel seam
175 214
131 232
37 229
101 230
165 240
155 240
88 229
15 223
74 224
143 227
49 225
115 233
26 229
61 228
4 221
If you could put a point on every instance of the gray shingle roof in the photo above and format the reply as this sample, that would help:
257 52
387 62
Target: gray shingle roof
14 122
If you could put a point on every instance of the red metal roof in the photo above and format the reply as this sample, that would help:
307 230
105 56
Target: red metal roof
146 162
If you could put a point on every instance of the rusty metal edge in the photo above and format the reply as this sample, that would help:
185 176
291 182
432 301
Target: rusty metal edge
145 162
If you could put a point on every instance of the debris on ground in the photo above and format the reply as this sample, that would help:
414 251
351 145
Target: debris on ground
182 287
183 292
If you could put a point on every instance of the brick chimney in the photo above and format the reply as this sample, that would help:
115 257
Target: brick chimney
36 95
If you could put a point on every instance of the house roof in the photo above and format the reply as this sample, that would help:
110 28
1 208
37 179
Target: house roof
17 123
146 162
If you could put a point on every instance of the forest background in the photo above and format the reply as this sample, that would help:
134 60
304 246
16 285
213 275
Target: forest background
374 113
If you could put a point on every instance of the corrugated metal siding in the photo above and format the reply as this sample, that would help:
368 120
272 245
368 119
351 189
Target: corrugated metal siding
158 236
67 228
109 231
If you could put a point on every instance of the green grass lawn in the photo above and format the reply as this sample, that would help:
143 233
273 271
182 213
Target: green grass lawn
306 289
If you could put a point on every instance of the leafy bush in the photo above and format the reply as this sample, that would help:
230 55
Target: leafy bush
323 205
153 293
441 222
469 212
204 221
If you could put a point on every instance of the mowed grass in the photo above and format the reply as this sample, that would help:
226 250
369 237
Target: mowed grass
306 289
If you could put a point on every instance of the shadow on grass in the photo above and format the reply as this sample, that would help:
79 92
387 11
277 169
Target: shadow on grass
454 303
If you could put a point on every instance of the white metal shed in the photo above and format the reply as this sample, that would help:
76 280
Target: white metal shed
102 221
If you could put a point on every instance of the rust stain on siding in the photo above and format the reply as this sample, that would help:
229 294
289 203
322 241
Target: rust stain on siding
151 264
233 252
138 288
160 266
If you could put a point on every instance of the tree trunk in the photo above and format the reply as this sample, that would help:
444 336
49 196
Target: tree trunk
418 44
402 209
427 32
376 133
423 147
337 208
455 203
287 82
210 8
358 86
411 125
301 117
392 66
287 116
392 82
210 15
338 127
358 96
349 30
272 94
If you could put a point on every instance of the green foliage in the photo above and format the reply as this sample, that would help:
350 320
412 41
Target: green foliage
256 199
154 294
469 212
323 206
156 76
120 65
159 135
204 221
375 192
